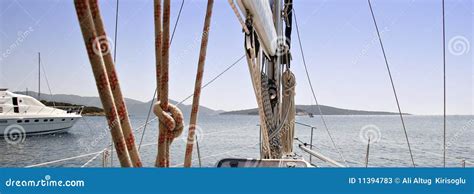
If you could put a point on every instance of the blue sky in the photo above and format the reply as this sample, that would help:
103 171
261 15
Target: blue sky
344 57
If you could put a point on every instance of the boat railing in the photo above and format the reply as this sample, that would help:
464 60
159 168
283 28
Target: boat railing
320 156
308 148
71 109
311 138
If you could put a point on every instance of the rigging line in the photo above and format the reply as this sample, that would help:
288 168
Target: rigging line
391 81
61 160
312 91
444 87
204 86
177 20
147 118
75 157
214 79
115 62
93 158
47 83
116 31
156 89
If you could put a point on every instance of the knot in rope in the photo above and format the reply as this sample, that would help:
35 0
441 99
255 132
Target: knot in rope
172 118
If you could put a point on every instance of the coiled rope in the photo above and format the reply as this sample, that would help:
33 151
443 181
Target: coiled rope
288 103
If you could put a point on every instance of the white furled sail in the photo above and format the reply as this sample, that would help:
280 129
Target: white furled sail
262 19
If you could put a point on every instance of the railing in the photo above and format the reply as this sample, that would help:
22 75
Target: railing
310 150
71 109
311 139
320 156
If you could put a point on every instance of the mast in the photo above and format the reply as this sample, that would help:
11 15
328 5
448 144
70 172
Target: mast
274 73
267 50
39 76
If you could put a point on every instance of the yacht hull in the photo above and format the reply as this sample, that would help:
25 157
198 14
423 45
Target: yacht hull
36 126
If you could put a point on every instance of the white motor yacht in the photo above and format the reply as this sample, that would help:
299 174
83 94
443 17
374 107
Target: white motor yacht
25 115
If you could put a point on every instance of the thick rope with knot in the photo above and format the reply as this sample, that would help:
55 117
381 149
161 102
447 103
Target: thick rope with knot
172 120
288 104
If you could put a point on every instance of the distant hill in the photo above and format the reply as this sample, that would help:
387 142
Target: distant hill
135 107
313 109
139 108
87 110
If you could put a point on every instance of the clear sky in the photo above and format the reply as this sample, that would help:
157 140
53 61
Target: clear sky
344 57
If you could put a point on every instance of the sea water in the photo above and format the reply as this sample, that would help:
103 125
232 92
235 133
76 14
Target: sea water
229 136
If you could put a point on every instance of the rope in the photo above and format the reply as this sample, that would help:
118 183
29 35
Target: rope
239 17
288 103
256 78
444 87
391 81
173 127
156 89
204 86
182 101
120 106
170 126
94 51
158 56
164 74
197 87
314 94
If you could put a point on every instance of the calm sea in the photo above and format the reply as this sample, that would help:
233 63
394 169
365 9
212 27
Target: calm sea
238 136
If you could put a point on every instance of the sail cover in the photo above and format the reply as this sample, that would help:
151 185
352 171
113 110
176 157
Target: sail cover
262 17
